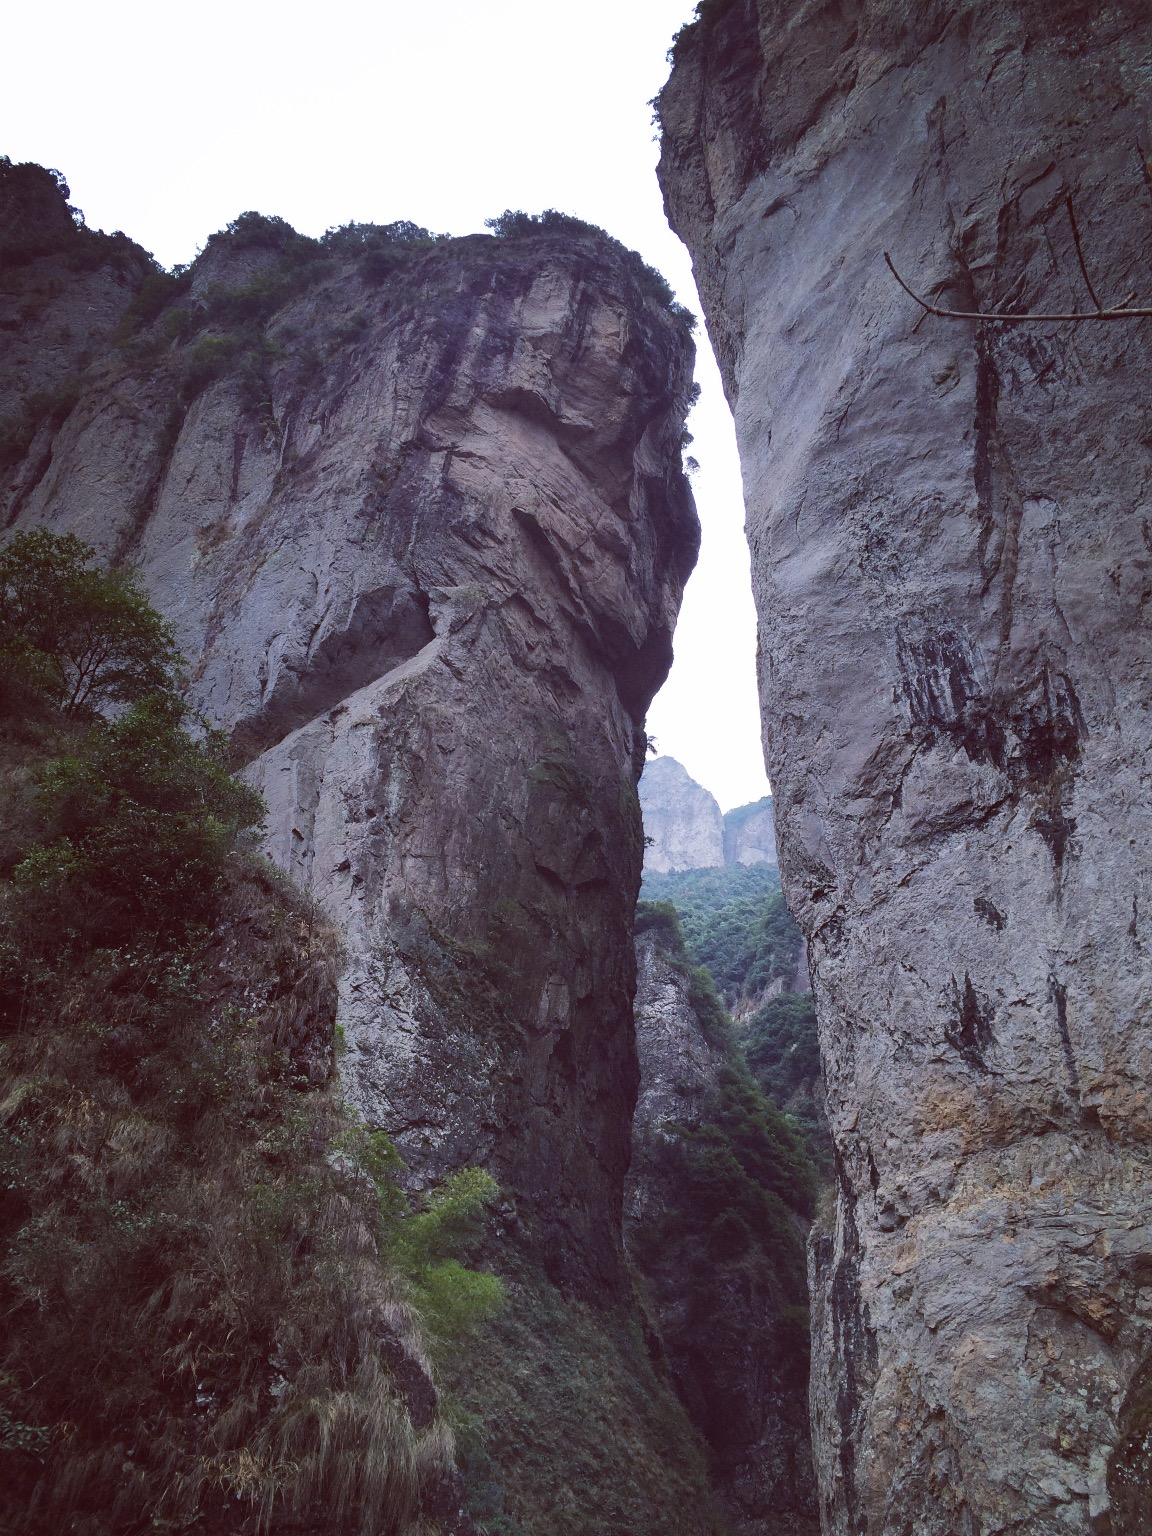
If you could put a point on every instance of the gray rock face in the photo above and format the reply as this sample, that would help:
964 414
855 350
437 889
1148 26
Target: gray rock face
750 833
681 817
949 525
679 1063
421 524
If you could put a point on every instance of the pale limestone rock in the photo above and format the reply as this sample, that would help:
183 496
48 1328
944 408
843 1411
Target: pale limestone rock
682 819
950 537
750 833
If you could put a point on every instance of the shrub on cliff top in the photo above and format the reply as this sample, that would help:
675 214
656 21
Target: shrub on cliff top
513 224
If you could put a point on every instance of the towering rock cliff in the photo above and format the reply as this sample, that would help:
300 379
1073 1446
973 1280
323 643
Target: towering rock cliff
950 538
682 820
417 511
685 829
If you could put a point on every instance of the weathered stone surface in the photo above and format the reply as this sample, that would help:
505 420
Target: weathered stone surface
64 290
727 1319
679 1062
680 816
423 531
750 833
950 533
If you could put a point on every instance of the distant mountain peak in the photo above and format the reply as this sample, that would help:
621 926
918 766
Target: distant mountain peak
686 829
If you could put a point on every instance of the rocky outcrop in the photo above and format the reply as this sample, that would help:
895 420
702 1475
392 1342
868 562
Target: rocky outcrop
750 833
683 826
416 509
726 1288
950 544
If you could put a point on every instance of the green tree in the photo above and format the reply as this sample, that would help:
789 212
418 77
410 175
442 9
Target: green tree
137 824
75 637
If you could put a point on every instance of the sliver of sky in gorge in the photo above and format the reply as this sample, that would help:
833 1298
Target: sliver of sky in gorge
169 121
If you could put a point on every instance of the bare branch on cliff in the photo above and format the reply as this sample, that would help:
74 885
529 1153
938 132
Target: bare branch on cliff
1121 311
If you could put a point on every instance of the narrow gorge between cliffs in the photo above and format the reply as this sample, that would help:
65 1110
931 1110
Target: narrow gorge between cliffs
423 1111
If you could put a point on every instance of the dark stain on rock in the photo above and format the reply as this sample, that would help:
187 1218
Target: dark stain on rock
986 449
1055 828
1058 994
969 1031
947 699
854 1342
990 913
1032 735
1130 1465
1048 724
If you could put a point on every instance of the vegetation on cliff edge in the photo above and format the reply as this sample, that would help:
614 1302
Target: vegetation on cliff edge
735 925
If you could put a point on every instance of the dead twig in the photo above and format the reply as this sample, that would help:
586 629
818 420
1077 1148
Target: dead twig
1121 311
1092 294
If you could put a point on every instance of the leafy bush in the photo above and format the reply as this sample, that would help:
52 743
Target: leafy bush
138 823
780 1044
721 1246
44 407
156 292
379 248
425 1245
662 919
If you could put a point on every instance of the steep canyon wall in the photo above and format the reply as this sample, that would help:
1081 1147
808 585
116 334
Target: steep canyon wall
949 524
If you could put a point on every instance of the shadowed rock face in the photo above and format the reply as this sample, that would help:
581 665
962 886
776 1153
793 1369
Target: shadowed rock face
950 542
423 533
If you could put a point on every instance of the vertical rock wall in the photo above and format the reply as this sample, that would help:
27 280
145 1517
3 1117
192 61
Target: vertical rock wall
950 531
417 511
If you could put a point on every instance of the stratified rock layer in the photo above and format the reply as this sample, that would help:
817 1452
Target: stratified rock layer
950 534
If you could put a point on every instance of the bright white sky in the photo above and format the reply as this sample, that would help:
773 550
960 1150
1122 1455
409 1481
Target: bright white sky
169 121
